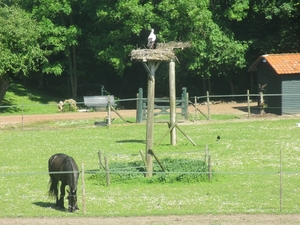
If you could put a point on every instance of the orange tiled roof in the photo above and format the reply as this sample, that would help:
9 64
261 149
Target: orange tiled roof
281 63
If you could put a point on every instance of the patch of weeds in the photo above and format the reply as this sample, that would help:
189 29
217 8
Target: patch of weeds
175 170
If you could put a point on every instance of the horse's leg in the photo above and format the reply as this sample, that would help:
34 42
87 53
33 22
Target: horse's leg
62 195
56 195
54 189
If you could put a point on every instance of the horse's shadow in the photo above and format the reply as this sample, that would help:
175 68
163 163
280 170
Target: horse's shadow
48 205
132 141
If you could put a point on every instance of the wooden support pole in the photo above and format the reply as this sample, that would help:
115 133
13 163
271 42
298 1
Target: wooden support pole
158 161
186 136
196 107
173 138
116 112
144 159
150 124
83 190
168 131
151 68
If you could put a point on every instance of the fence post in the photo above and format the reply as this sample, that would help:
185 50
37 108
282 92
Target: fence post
208 107
109 111
248 103
262 103
209 168
107 171
144 110
186 106
83 190
206 154
22 114
280 195
183 97
100 161
195 102
139 107
184 103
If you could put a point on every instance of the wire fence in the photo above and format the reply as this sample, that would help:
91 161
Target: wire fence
275 189
200 107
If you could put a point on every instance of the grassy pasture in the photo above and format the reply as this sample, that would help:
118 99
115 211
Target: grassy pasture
246 161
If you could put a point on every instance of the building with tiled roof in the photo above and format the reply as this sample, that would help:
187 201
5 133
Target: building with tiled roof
279 74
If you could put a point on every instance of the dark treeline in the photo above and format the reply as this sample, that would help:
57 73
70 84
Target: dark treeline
72 47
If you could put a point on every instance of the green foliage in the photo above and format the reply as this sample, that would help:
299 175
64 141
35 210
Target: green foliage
238 10
20 50
94 38
176 170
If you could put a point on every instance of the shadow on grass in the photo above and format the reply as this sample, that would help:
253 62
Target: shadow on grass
45 204
48 205
253 109
132 141
20 91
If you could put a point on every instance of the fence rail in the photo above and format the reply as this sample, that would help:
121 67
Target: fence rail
204 106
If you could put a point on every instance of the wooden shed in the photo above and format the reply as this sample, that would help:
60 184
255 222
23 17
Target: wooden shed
280 76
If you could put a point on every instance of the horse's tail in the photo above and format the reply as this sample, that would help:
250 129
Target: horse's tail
53 186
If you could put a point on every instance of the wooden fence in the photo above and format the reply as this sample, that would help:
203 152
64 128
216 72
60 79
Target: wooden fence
161 105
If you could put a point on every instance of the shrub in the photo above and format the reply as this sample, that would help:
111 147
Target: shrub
68 105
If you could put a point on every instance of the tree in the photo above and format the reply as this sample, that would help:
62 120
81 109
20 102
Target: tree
19 46
59 36
116 28
266 26
123 25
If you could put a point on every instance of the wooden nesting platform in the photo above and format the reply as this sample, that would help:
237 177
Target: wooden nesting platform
163 52
144 55
173 44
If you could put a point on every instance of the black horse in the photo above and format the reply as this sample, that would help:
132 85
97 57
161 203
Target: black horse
63 168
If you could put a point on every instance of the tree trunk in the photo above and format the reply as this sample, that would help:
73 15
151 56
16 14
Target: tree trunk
73 71
231 87
73 67
204 85
209 85
4 83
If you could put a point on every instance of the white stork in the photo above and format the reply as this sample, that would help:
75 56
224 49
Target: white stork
151 39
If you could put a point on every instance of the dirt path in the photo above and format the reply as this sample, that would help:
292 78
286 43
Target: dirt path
166 220
224 108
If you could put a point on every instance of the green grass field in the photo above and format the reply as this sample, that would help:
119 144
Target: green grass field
246 162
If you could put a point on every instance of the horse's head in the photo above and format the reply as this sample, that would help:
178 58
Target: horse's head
72 198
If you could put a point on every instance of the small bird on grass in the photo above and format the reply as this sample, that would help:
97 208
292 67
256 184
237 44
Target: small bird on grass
218 138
